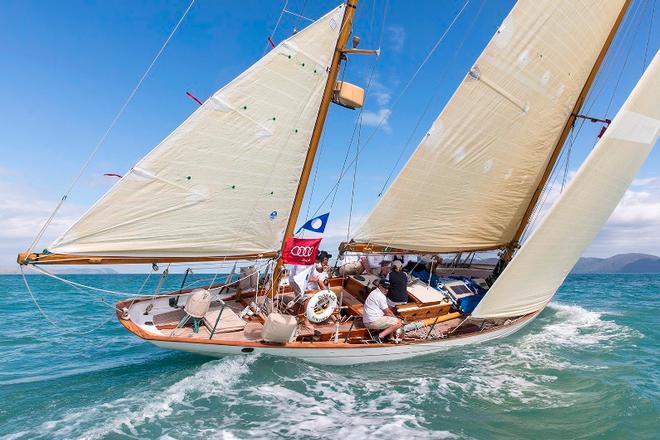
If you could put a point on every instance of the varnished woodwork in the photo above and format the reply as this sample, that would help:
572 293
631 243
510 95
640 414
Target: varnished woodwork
344 33
34 258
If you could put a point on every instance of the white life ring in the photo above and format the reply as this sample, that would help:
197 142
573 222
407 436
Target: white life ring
320 306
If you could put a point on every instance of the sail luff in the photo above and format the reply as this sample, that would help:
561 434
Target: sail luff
545 259
565 132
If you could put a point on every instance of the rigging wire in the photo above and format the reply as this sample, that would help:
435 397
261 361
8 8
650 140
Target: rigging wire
115 292
51 321
608 68
277 25
335 189
357 153
431 100
110 128
648 37
394 104
634 25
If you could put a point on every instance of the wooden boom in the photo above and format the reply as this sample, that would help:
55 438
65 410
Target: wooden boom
24 259
369 248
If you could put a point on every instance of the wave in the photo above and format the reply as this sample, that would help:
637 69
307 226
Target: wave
145 407
263 397
575 326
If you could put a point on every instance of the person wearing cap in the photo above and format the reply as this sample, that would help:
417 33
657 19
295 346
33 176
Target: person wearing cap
318 279
376 314
324 258
397 293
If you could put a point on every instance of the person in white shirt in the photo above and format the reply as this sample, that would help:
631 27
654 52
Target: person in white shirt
376 314
318 279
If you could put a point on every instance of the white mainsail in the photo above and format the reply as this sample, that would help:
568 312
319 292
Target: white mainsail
469 182
223 182
549 254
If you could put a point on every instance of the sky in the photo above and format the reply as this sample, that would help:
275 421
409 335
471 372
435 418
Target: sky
67 67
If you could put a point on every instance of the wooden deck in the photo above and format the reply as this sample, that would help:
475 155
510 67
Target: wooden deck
350 328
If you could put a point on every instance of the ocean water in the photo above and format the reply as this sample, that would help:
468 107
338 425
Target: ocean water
587 367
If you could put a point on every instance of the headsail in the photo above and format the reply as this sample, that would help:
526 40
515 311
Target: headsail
223 182
549 254
469 182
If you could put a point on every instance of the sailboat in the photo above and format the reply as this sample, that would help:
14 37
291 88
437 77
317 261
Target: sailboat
228 185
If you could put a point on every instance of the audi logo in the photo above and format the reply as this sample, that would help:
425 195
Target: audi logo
302 251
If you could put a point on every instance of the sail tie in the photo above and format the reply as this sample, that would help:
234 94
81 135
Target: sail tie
194 98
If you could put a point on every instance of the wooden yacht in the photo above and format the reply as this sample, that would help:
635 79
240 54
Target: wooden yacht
228 185
437 324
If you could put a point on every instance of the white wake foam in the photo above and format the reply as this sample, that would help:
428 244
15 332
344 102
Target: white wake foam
237 397
574 326
130 412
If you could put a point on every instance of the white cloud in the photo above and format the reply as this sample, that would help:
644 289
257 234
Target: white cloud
382 97
374 119
634 226
396 37
22 214
4 171
379 91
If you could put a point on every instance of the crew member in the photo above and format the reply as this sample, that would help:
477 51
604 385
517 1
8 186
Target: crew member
376 314
318 279
398 290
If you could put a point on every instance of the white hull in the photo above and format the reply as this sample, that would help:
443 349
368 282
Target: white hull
348 356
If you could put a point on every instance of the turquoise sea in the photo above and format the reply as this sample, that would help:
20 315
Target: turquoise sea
588 367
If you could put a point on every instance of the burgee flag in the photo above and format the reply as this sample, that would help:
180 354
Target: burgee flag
316 224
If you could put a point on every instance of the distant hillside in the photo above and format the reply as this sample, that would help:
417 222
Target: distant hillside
622 263
14 270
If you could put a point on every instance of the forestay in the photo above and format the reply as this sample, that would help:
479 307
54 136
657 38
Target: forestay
549 254
223 182
469 182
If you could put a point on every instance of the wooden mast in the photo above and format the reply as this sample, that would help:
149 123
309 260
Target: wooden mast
515 241
344 33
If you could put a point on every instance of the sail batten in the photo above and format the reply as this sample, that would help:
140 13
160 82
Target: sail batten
223 182
471 179
548 255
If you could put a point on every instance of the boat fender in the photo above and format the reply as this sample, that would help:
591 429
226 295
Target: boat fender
198 303
320 306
